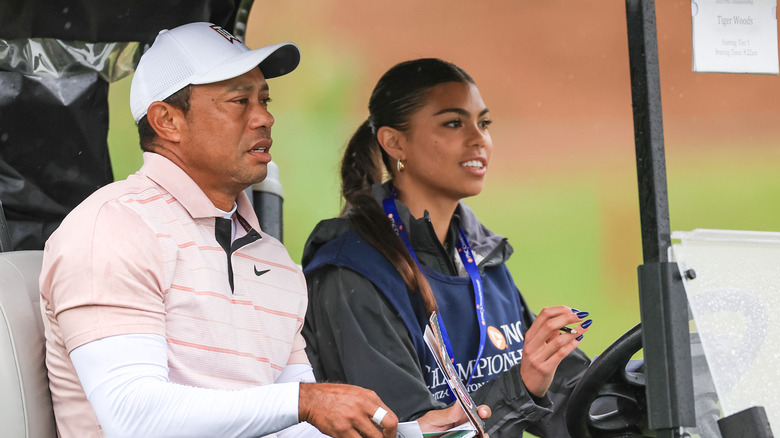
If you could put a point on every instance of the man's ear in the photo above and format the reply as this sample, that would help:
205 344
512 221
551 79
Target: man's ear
165 120
392 142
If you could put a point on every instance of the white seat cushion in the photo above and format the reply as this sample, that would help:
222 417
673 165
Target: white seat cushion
25 401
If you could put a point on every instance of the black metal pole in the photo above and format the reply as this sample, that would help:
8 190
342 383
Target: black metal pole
663 304
648 130
5 237
242 18
267 199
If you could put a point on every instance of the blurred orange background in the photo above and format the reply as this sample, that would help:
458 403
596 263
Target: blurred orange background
555 75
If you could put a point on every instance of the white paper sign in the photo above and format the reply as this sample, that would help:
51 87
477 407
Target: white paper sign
735 36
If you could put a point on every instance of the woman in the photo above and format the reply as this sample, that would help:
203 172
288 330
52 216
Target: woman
402 250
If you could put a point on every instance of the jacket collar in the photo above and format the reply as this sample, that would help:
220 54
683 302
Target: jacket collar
494 248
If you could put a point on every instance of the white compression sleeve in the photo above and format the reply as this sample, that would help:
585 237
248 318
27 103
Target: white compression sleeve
298 372
125 378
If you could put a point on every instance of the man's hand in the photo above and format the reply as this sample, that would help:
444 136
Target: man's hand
546 345
444 419
344 410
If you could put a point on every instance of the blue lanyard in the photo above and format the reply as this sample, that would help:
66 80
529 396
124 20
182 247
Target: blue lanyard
467 257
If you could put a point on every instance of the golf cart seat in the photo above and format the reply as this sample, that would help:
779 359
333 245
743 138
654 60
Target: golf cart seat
25 401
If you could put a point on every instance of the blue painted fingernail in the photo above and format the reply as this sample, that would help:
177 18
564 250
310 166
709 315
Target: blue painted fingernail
574 310
581 315
587 323
579 338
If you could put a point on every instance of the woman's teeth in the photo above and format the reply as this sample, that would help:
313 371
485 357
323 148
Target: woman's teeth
473 163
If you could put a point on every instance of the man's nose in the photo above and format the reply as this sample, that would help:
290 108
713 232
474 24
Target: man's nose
262 117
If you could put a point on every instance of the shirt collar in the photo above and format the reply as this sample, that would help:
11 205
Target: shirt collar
175 180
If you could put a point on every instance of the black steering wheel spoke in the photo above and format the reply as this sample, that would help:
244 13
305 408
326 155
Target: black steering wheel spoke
609 400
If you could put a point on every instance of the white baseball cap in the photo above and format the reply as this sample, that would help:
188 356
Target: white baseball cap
201 53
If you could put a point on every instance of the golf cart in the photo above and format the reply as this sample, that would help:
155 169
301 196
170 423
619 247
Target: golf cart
668 384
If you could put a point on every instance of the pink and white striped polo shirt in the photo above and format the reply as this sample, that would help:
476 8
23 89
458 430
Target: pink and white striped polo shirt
140 256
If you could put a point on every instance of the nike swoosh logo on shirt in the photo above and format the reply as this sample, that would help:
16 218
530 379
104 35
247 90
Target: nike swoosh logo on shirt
259 273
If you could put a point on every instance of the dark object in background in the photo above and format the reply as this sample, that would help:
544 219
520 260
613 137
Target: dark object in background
57 58
53 150
750 423
5 239
107 21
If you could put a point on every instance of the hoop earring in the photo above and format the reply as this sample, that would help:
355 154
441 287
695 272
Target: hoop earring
399 165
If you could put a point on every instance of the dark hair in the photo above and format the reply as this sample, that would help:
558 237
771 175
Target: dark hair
146 134
400 92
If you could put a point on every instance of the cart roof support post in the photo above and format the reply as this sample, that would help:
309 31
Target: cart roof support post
664 308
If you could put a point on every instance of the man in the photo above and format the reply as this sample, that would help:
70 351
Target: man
167 311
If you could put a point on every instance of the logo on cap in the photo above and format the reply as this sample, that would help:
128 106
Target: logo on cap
228 36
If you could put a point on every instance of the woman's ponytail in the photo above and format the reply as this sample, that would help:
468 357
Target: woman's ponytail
362 167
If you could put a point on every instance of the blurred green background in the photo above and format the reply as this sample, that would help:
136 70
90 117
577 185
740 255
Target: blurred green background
562 183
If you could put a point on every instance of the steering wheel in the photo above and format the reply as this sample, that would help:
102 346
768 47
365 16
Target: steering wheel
609 401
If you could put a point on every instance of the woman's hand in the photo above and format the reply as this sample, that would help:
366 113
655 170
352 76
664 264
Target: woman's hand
546 345
447 418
